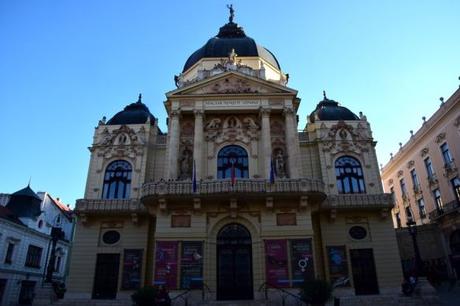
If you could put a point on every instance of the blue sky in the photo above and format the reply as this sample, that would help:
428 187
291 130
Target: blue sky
65 64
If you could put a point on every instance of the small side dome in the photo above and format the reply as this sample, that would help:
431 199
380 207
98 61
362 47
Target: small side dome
25 203
330 110
134 113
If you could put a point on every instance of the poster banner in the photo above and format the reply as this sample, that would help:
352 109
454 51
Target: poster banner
132 269
166 257
191 265
276 266
338 266
301 261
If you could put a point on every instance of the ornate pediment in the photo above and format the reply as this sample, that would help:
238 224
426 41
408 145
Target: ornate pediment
343 137
124 141
232 83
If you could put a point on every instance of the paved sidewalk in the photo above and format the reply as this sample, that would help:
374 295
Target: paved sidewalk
449 295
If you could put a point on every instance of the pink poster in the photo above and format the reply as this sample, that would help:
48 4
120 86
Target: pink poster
276 262
166 257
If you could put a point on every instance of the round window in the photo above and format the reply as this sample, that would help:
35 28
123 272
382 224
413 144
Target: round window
111 237
357 232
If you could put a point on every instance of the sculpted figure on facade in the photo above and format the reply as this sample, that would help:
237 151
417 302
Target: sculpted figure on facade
186 164
280 164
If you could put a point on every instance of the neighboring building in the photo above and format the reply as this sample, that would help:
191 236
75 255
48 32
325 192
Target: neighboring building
424 179
233 197
25 226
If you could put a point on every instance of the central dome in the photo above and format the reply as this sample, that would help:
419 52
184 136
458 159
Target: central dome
231 36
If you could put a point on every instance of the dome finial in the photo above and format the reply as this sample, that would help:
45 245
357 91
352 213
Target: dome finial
232 13
139 99
324 95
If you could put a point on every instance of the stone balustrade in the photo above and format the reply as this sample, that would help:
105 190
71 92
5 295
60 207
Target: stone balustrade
452 206
341 201
103 206
246 186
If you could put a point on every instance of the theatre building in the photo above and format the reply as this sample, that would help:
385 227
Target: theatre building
232 198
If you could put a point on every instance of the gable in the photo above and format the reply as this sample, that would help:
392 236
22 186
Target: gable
232 83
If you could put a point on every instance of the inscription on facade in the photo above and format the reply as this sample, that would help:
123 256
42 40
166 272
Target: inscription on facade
233 103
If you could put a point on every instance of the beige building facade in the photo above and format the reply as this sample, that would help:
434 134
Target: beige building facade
424 180
233 198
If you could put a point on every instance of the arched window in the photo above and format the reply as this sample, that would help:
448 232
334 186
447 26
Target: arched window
349 174
117 180
232 158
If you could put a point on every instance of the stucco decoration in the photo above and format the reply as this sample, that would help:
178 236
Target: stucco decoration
457 121
121 142
410 164
390 182
400 173
440 137
424 152
232 129
343 137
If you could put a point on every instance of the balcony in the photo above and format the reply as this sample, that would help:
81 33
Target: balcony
451 207
99 206
432 180
352 201
248 187
450 169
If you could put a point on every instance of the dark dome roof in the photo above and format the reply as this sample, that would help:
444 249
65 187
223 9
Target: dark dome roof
231 36
331 110
134 113
25 203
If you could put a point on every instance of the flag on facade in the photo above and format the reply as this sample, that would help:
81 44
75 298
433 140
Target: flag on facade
194 177
272 172
232 173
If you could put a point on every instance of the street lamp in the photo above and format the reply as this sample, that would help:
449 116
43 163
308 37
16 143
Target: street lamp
56 234
412 227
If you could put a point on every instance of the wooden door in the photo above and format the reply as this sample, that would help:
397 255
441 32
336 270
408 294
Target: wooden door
106 276
363 269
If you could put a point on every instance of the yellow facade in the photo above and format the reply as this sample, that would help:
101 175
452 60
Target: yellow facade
271 215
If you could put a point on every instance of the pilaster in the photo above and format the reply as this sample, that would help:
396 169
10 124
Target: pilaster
174 133
266 142
198 143
292 143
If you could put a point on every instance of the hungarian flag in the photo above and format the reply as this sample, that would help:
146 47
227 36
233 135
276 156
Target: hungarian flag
272 172
194 177
232 172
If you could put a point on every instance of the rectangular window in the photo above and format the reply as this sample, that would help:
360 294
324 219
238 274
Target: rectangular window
456 186
409 214
402 184
421 208
34 256
438 200
446 153
9 253
428 167
398 220
57 264
415 182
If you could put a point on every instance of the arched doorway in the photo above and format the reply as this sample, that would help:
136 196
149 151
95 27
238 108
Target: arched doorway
234 263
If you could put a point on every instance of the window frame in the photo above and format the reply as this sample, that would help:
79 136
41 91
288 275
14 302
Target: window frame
428 167
9 252
117 174
455 182
34 256
438 199
225 165
349 176
445 152
421 208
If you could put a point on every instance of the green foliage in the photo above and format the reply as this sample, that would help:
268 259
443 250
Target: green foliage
316 292
144 296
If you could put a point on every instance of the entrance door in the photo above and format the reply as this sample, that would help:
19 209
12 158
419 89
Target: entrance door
106 276
234 263
364 275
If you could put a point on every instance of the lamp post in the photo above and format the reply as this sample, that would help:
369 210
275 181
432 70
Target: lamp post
412 227
56 234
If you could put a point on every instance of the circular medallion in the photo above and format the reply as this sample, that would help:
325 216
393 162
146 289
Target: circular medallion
357 232
111 237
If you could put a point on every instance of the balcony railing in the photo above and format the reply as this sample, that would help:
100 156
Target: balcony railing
446 209
382 200
246 186
104 206
450 168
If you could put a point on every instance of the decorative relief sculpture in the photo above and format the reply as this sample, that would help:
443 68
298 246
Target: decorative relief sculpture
424 152
400 173
186 164
410 164
123 141
440 137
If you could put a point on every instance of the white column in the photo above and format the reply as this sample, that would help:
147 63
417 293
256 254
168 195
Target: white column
198 144
173 150
292 143
266 142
